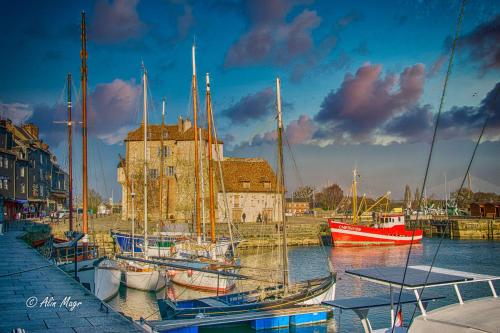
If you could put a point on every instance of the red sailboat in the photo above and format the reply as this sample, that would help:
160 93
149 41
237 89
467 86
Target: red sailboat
385 228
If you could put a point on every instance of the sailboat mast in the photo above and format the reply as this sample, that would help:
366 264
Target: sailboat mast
133 220
202 186
70 157
281 173
354 197
162 160
210 166
145 170
83 56
196 162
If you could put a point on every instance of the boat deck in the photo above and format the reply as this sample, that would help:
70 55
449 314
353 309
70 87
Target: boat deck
27 284
479 315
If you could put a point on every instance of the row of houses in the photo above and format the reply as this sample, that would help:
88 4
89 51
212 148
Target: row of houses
32 183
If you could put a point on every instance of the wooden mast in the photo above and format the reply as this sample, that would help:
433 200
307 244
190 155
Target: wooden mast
196 162
145 170
83 56
281 173
70 157
210 166
354 197
162 160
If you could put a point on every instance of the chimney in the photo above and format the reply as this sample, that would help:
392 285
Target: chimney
32 129
187 124
180 124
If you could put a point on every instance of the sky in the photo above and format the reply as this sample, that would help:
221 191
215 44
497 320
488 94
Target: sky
361 82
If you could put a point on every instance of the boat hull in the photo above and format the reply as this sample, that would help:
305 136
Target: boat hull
345 234
147 281
246 301
202 280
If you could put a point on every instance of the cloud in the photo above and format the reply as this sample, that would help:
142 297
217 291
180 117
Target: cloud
251 107
300 130
269 37
437 65
116 21
367 100
351 17
17 112
112 109
413 125
483 44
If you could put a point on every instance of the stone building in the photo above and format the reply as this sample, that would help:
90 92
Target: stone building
177 193
297 206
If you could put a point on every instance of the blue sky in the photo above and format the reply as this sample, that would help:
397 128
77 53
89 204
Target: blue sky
361 81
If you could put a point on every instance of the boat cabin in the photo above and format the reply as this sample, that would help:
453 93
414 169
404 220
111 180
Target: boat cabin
387 220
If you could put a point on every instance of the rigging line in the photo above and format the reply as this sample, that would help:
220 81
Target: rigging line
441 103
292 156
457 203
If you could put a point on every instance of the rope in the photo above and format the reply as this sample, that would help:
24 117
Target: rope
441 104
457 202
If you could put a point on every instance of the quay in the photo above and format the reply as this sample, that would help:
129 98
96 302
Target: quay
38 297
473 228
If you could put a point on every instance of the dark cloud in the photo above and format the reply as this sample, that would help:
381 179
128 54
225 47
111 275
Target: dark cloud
413 125
367 100
45 117
17 112
251 107
483 44
116 21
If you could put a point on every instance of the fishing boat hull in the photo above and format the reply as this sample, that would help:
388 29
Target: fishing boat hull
248 301
345 234
202 280
147 281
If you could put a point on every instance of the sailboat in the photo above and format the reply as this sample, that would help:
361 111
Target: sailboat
208 254
282 295
139 275
102 275
385 229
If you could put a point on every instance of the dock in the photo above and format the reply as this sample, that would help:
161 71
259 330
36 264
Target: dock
38 297
258 320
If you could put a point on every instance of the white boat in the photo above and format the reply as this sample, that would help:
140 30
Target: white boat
143 277
101 276
205 281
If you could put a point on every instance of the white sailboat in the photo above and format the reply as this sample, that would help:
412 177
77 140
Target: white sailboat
139 275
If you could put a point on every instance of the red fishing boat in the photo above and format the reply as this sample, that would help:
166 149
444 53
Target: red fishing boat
384 229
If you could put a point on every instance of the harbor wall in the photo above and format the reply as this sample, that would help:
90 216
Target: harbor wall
460 228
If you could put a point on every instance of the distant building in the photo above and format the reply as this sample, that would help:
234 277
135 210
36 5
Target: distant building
297 206
250 184
485 209
31 181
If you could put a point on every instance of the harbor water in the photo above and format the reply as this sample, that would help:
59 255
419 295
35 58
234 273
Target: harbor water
309 262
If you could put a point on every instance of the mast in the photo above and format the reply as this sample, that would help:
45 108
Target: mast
354 197
281 173
196 162
83 56
202 187
145 170
70 156
162 160
133 220
210 166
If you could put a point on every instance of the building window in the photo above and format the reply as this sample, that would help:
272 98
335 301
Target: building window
153 173
166 151
236 201
1 184
6 163
1 162
267 185
41 190
59 184
170 171
21 172
41 159
41 174
246 185
5 184
23 188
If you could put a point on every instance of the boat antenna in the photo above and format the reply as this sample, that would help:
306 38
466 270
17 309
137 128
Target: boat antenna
441 104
